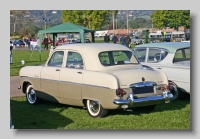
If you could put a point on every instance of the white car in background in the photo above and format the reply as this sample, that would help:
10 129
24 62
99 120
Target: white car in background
173 58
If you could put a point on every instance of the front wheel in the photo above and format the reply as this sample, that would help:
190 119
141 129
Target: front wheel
31 96
95 109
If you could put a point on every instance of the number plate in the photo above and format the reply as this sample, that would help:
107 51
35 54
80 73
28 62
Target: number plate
143 90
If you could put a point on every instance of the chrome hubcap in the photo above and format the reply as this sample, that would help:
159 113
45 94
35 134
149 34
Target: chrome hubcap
94 106
31 95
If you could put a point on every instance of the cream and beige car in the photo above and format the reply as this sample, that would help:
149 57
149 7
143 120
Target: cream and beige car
98 76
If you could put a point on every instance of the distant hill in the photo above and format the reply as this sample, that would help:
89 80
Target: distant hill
55 18
38 15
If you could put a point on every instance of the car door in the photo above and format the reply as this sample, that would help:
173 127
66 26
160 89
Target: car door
178 73
50 74
70 84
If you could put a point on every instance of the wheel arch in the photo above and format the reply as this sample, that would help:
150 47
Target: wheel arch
24 86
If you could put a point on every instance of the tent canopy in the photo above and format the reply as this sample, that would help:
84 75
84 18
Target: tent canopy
66 27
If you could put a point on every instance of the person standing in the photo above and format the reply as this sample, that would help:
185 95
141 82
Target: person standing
11 48
118 38
122 39
106 38
46 43
37 47
127 40
29 42
114 39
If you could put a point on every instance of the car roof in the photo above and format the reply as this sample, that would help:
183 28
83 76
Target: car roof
170 46
90 52
97 47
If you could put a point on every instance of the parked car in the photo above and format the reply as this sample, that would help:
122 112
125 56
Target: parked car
79 41
173 58
137 40
18 43
178 36
98 76
155 37
167 37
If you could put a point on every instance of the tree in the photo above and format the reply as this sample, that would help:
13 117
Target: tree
119 23
93 19
171 18
16 15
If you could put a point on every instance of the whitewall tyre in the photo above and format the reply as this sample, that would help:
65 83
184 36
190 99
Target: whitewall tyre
31 96
95 109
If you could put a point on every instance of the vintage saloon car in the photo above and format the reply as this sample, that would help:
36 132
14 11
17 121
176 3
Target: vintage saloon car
173 58
99 76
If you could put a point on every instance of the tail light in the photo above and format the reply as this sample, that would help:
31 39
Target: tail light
120 92
166 87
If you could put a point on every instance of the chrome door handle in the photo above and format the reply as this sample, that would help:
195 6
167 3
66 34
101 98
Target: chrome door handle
158 68
79 72
57 69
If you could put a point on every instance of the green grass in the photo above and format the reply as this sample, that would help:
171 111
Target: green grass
48 115
31 58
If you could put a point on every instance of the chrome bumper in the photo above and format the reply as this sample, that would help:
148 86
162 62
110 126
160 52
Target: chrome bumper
130 101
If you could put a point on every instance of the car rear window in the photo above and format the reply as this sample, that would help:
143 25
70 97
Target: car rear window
110 58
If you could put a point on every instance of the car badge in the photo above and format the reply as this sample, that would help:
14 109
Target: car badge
143 79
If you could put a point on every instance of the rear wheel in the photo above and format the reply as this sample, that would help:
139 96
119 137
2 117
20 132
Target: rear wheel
177 94
31 96
95 109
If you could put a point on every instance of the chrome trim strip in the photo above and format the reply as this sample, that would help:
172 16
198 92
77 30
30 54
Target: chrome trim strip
67 82
70 82
49 79
143 84
23 76
97 86
34 78
29 77
179 81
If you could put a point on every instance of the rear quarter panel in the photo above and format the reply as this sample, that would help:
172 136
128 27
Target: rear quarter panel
100 86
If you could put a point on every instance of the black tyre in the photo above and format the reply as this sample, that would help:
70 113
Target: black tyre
95 109
177 94
31 96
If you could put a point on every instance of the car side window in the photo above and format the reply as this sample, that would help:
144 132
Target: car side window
163 54
182 55
56 59
140 54
74 60
154 55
